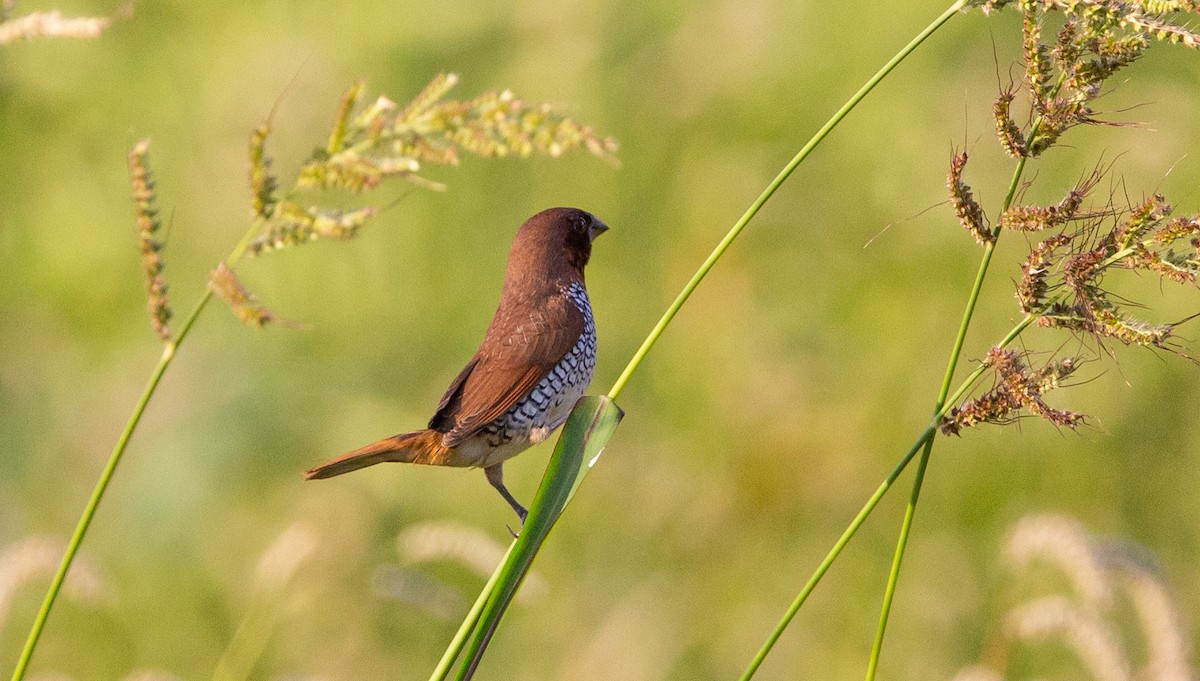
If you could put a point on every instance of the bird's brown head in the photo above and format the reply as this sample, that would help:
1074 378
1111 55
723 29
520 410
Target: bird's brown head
556 242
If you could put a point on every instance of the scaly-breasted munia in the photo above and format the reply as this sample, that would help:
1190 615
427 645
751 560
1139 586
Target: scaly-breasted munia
536 360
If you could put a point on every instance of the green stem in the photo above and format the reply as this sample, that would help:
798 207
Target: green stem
929 432
955 353
468 625
894 575
951 366
926 436
89 511
769 191
889 592
972 300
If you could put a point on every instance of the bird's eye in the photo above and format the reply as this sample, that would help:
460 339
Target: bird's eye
579 222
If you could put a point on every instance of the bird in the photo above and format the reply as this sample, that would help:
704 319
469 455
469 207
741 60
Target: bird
536 360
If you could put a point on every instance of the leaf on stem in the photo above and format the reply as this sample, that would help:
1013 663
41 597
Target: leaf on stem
583 437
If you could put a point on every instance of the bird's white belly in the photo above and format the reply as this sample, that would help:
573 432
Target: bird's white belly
481 454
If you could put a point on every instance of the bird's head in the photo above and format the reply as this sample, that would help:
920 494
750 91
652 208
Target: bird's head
556 242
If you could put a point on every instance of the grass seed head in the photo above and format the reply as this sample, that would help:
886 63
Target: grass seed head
970 214
148 225
241 302
1017 388
1009 133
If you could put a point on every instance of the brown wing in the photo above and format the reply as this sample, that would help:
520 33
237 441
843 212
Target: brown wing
522 345
443 418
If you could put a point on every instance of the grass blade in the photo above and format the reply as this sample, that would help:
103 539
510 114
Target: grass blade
587 430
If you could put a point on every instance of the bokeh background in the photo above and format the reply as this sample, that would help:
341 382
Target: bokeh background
779 399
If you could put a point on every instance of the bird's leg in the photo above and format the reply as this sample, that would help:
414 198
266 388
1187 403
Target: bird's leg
495 476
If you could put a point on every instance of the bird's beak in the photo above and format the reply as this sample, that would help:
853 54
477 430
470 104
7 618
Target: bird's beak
598 228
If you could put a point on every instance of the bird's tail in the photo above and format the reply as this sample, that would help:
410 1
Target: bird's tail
422 446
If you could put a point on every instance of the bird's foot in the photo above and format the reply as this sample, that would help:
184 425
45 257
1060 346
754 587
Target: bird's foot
522 513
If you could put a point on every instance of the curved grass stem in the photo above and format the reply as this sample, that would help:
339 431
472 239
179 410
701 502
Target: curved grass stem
926 436
930 432
110 468
468 624
922 440
783 175
985 262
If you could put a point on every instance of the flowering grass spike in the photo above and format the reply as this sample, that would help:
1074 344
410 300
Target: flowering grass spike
382 141
244 304
368 144
1113 614
970 214
1017 388
146 216
1143 241
48 25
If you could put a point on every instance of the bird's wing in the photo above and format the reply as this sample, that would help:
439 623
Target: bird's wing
515 356
443 418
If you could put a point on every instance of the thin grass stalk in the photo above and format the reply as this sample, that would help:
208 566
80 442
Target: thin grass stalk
925 436
89 512
894 575
442 670
847 535
783 175
909 513
985 262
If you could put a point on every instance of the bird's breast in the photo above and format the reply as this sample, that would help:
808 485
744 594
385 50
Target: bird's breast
547 406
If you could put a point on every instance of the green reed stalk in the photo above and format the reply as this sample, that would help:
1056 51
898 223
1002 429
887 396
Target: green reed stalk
955 353
847 535
472 619
783 175
89 512
925 437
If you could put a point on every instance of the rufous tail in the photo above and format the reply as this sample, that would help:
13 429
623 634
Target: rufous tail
422 446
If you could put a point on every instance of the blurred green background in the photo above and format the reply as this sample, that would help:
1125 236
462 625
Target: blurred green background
778 400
